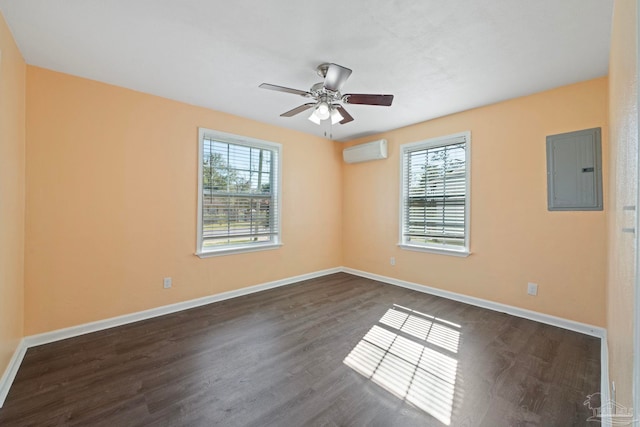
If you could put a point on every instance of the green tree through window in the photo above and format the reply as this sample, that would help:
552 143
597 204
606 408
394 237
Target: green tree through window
238 194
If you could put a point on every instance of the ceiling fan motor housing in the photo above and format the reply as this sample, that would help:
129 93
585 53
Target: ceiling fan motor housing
321 93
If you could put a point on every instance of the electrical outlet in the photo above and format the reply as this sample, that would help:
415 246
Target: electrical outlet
166 282
532 288
392 261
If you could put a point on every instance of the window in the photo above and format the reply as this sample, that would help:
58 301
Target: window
435 195
238 194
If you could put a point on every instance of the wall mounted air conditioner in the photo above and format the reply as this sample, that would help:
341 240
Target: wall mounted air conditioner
364 152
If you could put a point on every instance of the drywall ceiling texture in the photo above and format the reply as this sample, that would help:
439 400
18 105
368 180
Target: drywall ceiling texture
436 57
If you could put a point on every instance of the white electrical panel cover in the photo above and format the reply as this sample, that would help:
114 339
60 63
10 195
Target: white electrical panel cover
574 171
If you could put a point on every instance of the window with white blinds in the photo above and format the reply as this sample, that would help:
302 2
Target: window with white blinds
435 195
238 194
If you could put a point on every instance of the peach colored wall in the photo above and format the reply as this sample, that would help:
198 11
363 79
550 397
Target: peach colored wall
12 193
623 110
514 239
111 199
111 203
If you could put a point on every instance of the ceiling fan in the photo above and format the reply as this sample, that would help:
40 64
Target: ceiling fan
327 96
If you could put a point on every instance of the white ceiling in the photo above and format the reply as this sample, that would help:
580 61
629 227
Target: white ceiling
437 57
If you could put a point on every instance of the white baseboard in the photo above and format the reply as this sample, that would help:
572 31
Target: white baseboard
12 369
74 331
605 392
571 325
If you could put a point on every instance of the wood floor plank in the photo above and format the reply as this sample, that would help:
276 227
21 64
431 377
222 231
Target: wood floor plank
333 351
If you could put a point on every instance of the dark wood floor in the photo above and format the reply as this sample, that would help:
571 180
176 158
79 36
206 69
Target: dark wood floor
338 350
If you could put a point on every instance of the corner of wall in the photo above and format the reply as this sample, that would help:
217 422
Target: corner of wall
12 193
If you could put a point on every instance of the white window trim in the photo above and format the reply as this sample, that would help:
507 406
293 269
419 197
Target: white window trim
432 143
250 142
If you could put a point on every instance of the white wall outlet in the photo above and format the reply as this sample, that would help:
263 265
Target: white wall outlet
166 282
392 261
532 288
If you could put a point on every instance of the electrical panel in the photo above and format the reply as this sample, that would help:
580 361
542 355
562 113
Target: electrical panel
574 171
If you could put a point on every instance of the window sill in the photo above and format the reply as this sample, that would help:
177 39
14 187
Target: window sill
237 250
440 251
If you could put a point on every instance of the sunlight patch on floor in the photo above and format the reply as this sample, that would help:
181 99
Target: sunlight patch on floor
404 355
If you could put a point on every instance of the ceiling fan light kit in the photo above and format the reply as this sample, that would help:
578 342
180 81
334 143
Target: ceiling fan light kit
336 117
322 110
315 119
327 96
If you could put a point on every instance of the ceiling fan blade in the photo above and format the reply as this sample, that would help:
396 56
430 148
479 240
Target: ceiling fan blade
361 98
336 76
346 117
284 89
297 110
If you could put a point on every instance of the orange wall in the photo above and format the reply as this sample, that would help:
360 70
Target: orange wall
514 239
111 203
111 206
623 108
12 193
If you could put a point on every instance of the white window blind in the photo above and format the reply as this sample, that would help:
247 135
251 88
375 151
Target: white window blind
239 186
435 193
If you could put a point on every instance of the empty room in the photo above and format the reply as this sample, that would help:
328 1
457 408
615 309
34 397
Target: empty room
279 213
